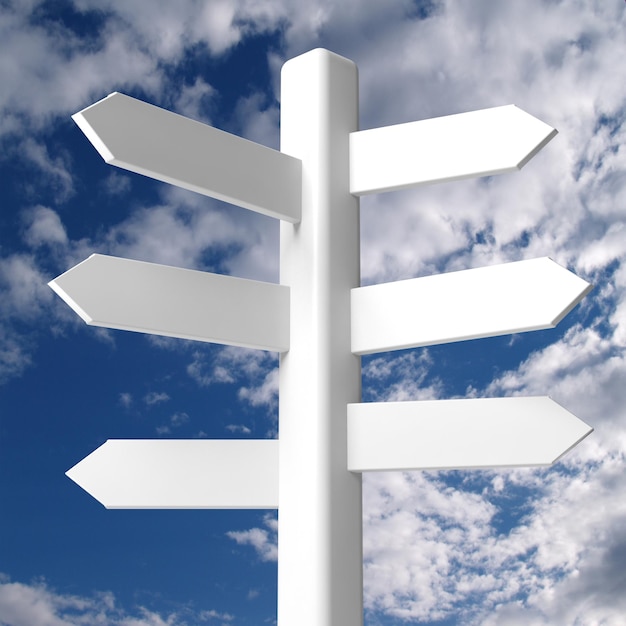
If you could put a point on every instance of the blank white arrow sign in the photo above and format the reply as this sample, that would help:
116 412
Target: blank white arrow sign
148 140
484 302
181 474
460 434
480 143
162 300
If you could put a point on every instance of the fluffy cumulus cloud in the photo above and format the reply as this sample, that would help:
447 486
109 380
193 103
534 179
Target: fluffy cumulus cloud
263 540
458 559
37 604
254 372
436 545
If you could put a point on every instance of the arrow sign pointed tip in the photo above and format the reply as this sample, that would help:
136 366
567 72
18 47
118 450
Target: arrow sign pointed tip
81 119
60 286
570 286
85 474
533 134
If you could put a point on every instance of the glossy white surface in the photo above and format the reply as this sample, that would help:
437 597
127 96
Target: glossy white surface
181 474
483 302
149 140
319 515
460 434
479 143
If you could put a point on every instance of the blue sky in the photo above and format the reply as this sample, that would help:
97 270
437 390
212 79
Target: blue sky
483 548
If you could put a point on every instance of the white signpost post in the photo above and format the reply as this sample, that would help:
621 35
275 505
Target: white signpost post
320 320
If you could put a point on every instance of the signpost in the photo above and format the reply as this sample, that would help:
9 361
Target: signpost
320 320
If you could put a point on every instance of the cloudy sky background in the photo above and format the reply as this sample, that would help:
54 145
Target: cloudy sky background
532 547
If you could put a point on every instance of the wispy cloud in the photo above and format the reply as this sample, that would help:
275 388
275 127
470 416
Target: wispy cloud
255 371
175 421
155 397
400 377
24 604
263 540
116 184
207 616
126 399
238 428
263 394
43 226
194 100
25 298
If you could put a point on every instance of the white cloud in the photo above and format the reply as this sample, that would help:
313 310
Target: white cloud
263 394
258 121
175 421
211 615
55 62
15 354
126 399
116 184
263 540
25 299
238 428
434 551
399 377
193 231
217 25
155 397
179 418
38 605
25 291
43 227
55 169
193 99
254 370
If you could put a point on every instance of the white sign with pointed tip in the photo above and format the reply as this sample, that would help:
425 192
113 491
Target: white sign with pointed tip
460 434
174 302
467 145
181 474
146 139
469 304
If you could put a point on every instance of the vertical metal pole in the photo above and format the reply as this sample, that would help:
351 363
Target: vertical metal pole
319 538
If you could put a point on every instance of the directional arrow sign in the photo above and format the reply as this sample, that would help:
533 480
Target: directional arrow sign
484 302
460 434
181 474
148 140
480 143
162 300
